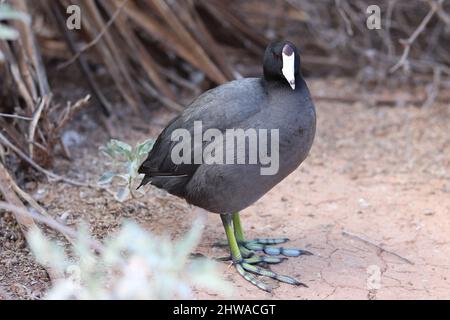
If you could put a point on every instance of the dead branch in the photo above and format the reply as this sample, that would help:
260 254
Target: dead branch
165 101
15 116
83 65
45 101
408 42
97 38
70 111
50 222
5 142
444 16
25 221
433 88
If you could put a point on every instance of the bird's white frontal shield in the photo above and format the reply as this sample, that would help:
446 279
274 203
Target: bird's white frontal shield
289 65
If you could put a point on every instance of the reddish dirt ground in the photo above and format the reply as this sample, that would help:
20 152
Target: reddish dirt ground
372 202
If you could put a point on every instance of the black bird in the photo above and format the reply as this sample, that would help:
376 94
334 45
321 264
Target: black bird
278 102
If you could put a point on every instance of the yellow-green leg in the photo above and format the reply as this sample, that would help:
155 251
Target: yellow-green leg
246 269
238 230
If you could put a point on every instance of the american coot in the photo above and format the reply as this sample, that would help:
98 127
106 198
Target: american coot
279 102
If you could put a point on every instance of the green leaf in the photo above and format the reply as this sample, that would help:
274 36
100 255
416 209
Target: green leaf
122 194
142 149
125 177
8 13
120 147
106 178
132 168
8 33
107 151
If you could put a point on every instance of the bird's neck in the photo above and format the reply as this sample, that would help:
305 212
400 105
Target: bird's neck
277 84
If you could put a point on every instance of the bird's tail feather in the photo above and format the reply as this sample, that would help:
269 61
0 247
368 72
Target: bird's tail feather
148 177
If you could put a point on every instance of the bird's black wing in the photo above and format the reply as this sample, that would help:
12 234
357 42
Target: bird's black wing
223 107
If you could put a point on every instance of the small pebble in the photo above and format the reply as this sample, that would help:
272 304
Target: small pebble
363 203
40 194
64 217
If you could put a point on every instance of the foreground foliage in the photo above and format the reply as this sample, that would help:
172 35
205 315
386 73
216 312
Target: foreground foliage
133 264
124 161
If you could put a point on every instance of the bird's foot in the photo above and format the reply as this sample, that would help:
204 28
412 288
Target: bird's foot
267 246
246 255
251 251
248 271
263 260
256 259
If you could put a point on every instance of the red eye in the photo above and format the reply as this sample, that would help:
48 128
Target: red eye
276 55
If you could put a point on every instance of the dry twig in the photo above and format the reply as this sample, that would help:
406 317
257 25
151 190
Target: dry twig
23 218
49 174
50 222
97 38
408 42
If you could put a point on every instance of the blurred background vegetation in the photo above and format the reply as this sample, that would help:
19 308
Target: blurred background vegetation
147 54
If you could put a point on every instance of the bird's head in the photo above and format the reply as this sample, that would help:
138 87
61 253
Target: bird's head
282 63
